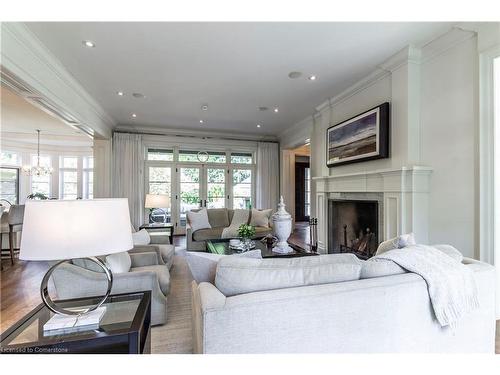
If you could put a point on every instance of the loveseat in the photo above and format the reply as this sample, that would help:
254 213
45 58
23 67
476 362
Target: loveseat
219 218
371 315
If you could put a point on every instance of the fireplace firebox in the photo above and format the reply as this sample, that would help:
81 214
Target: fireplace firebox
353 227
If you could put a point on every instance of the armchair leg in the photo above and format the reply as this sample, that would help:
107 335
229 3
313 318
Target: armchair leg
11 245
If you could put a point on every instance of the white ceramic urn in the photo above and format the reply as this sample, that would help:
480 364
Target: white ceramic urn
282 228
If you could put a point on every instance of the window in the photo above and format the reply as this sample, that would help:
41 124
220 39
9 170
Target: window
307 192
68 177
160 182
9 185
191 156
160 154
216 157
242 188
241 158
88 177
9 158
41 184
216 188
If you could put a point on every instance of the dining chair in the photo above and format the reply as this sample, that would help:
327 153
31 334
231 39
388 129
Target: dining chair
15 220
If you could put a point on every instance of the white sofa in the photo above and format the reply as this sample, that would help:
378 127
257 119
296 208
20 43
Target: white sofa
383 314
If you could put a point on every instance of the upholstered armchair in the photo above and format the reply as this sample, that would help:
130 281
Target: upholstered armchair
82 278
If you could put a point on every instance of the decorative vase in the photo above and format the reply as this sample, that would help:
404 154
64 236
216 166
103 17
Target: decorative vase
282 228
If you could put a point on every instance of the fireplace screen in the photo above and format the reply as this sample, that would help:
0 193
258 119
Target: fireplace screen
353 227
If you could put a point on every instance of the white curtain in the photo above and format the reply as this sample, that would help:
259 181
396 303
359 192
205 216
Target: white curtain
268 175
128 174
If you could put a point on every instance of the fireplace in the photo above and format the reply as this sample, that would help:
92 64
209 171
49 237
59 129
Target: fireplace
353 227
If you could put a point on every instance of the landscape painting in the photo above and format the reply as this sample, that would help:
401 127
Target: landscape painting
364 137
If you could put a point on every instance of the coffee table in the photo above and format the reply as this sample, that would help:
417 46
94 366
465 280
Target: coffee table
222 247
124 328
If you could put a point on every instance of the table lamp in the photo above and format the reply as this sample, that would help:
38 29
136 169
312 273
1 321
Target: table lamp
61 230
158 201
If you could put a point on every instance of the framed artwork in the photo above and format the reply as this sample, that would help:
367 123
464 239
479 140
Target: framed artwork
363 137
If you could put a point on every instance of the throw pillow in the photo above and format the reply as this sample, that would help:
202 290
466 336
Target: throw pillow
119 262
204 265
198 219
237 275
451 251
399 242
260 218
141 238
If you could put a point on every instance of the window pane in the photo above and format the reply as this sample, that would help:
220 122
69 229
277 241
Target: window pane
159 174
241 158
9 181
242 188
216 157
9 158
160 154
160 183
69 162
190 175
40 187
191 156
216 188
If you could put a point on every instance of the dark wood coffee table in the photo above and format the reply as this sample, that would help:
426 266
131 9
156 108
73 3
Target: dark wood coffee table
222 247
124 328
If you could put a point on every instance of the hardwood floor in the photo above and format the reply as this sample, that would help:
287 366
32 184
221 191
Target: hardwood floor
19 293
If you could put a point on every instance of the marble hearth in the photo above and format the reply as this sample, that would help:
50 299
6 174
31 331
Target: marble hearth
402 196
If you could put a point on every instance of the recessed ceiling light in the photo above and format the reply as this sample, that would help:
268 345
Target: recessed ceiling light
138 95
276 110
134 115
88 43
258 125
294 75
263 109
119 93
312 78
204 107
201 121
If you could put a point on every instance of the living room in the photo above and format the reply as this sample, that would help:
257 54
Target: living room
235 188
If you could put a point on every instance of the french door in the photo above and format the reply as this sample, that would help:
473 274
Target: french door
192 186
200 186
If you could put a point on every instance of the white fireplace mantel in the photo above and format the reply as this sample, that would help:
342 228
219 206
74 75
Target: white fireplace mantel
404 192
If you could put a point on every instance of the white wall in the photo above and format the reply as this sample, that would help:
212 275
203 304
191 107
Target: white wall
434 121
449 144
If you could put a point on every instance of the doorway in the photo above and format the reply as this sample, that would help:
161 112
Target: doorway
302 189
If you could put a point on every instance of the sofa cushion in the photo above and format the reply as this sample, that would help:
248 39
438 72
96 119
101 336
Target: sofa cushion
237 275
207 234
119 262
204 265
260 218
198 219
162 274
218 217
379 267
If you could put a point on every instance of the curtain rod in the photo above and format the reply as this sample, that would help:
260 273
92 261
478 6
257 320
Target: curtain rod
192 136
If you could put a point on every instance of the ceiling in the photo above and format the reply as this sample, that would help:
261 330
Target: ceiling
232 67
21 119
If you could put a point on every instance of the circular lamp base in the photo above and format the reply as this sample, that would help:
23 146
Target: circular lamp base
44 292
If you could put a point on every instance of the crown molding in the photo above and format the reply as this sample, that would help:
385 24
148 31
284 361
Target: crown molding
444 42
25 56
194 133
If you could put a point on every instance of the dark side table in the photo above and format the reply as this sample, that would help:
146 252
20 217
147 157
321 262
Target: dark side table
159 229
124 328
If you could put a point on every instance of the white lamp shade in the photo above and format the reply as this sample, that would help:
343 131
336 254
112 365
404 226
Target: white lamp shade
69 229
157 201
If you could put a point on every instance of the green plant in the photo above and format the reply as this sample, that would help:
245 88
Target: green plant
246 231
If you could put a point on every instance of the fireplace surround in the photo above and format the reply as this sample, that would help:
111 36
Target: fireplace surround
402 195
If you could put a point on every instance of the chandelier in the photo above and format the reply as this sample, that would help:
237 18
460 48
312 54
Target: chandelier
37 170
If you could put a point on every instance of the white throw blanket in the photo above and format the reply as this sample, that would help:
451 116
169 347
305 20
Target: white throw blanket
239 217
451 285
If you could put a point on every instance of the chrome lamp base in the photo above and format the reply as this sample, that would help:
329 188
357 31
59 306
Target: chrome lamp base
44 292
